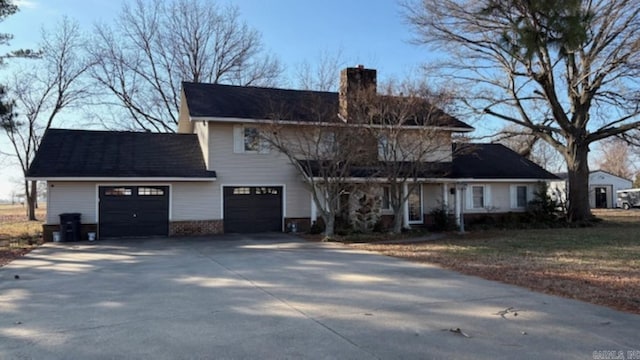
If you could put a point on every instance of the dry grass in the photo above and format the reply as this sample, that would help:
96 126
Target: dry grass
598 264
18 236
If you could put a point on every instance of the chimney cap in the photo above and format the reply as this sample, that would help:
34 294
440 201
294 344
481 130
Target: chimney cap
360 66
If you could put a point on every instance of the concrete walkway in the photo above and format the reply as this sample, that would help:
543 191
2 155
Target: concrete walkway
277 297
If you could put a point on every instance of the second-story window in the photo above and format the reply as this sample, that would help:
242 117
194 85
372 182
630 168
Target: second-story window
247 139
251 139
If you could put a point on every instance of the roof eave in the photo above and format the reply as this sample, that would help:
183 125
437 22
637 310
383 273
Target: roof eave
315 123
116 178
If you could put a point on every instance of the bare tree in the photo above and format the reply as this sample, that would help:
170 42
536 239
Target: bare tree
323 149
321 74
616 158
572 62
530 146
404 122
154 46
41 92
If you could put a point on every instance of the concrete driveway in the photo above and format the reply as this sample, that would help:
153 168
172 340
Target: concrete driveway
274 296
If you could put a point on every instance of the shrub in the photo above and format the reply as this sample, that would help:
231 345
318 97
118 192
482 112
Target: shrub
543 209
316 228
442 219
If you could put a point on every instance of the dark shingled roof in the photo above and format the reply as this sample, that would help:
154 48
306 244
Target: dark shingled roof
426 170
248 102
471 161
258 103
494 161
114 154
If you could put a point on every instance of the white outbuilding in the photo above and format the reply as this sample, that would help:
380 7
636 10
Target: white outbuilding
602 188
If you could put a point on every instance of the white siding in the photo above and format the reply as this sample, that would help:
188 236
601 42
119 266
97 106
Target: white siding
432 197
195 201
202 131
71 197
255 169
608 181
498 197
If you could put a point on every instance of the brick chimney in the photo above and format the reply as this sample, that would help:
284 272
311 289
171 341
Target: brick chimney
355 82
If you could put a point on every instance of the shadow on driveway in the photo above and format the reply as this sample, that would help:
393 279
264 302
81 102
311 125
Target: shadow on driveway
276 296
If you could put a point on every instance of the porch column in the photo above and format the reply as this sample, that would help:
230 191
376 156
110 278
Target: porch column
458 204
445 196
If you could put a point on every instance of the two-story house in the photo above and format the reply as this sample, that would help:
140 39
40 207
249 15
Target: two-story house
224 171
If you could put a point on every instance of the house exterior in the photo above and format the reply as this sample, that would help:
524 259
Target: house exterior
217 174
602 188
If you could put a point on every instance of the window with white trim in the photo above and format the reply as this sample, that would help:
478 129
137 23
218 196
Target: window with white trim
251 139
386 198
327 143
520 196
415 204
247 139
477 197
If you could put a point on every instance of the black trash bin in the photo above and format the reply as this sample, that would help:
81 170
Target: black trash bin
70 227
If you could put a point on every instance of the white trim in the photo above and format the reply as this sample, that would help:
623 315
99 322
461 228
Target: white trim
239 144
513 192
486 197
316 123
314 209
124 179
284 198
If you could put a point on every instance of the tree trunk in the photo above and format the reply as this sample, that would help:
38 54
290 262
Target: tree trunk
398 220
30 193
578 175
329 224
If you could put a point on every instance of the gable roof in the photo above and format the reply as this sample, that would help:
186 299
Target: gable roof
118 154
494 161
260 103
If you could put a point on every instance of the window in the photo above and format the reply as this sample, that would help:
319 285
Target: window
242 191
383 147
327 143
386 198
477 197
267 191
148 191
521 196
251 139
119 191
247 139
415 204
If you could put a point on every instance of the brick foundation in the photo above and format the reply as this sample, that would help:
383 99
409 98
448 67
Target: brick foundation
196 227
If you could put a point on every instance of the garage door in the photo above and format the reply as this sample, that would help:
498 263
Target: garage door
252 209
133 211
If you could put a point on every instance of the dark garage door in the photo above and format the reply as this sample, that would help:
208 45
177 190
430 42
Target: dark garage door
133 211
252 209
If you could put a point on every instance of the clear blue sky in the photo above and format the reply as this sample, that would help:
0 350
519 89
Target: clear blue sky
371 33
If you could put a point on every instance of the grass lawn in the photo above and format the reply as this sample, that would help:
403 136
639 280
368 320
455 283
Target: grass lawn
18 235
596 264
